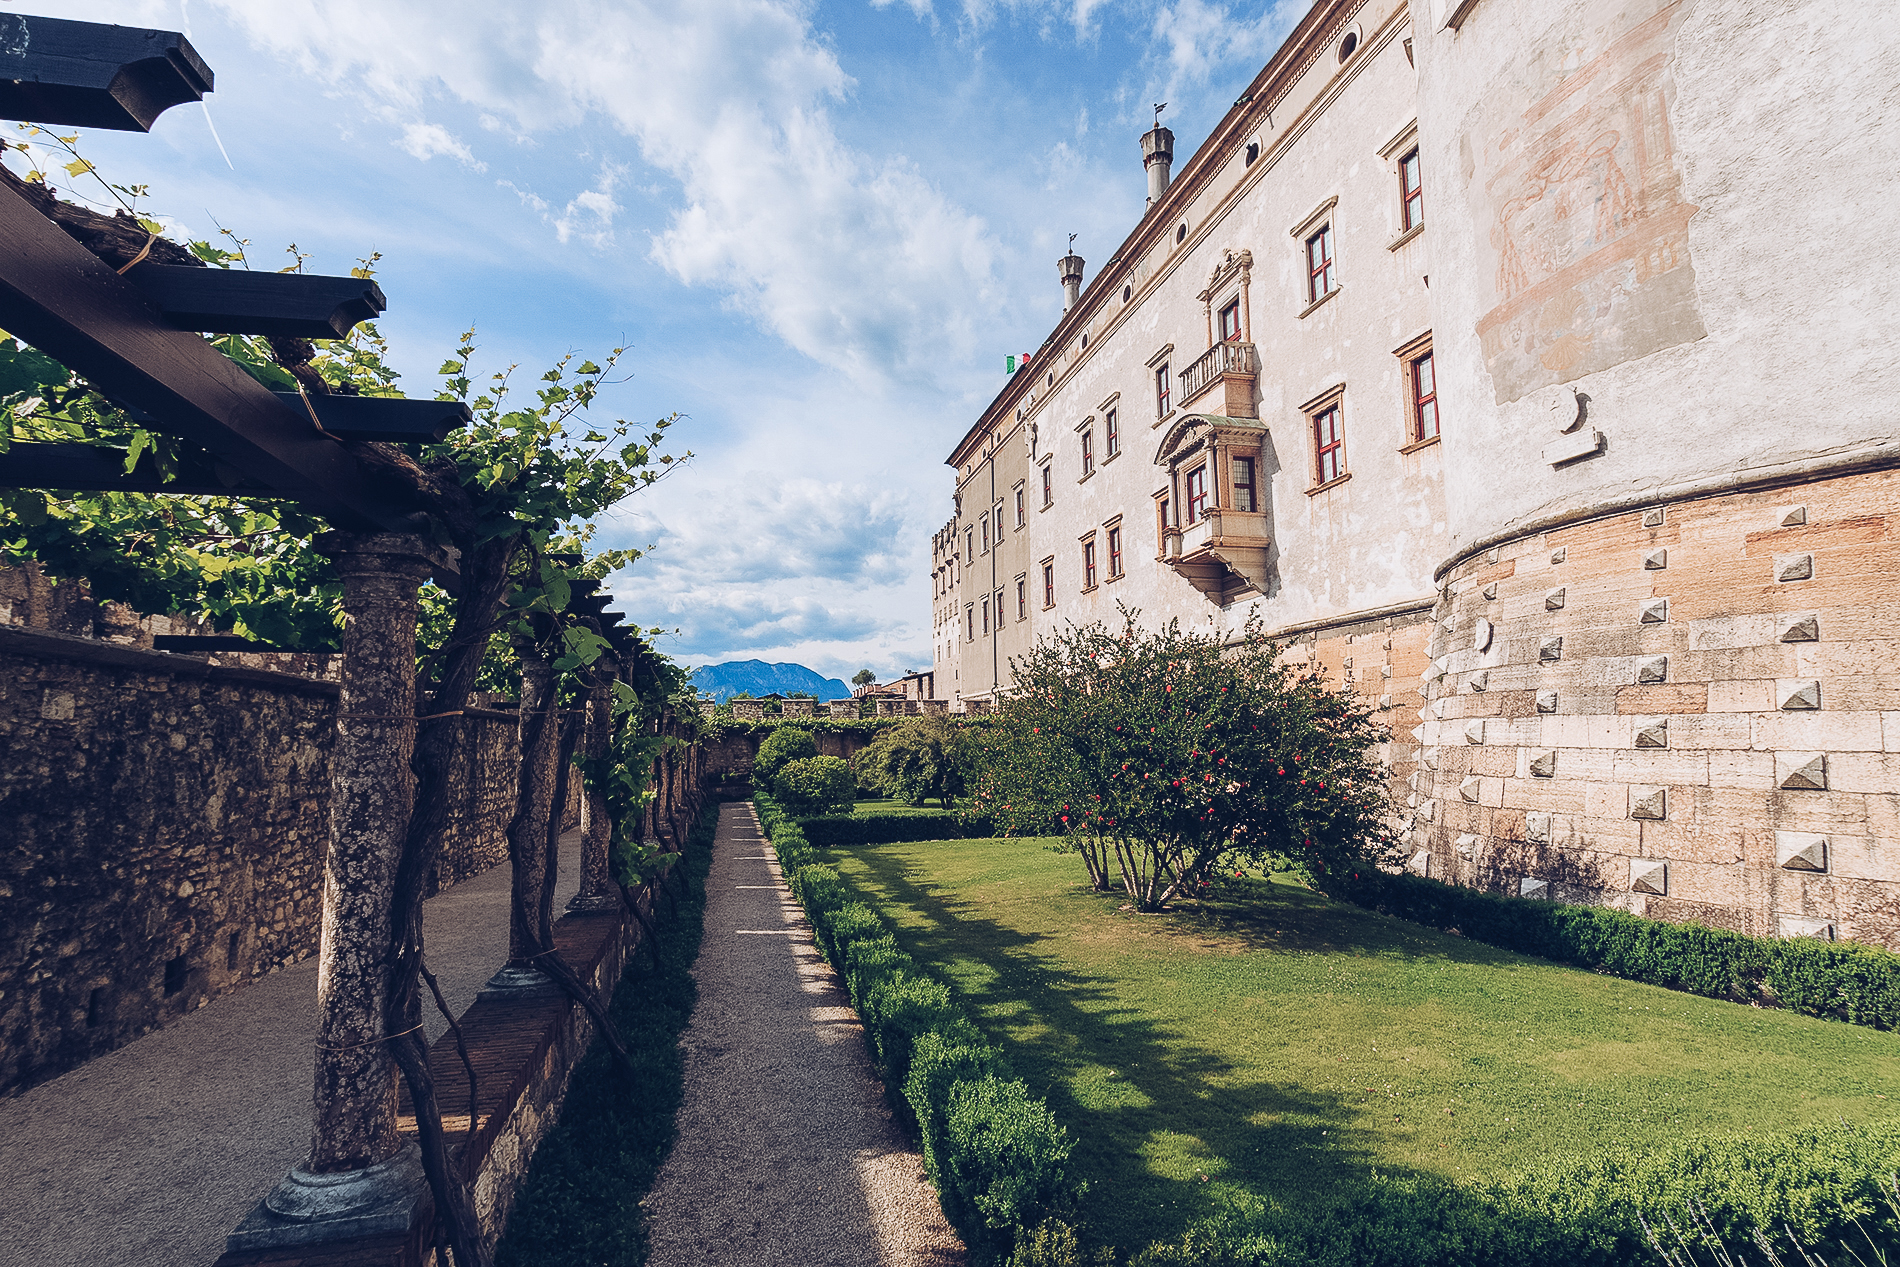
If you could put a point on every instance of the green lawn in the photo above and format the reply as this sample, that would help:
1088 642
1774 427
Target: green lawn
886 805
1289 1044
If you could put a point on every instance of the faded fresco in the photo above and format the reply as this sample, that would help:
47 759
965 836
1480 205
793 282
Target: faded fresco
1588 238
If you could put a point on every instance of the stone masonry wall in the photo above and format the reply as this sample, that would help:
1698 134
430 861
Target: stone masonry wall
165 822
1690 711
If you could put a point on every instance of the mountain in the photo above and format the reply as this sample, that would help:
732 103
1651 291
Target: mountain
756 678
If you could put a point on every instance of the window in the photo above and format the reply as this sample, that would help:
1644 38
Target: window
1197 493
1424 397
1088 453
1161 390
969 546
1022 598
1088 564
999 611
969 614
1019 508
986 534
999 525
1161 509
1112 432
986 617
1329 444
1048 583
1319 264
1411 193
1230 323
1243 484
1048 489
1115 551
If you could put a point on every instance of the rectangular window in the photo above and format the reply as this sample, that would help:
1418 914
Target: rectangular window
969 546
999 525
1411 193
1048 489
1329 444
1115 551
999 611
1088 565
1019 508
1088 453
986 617
986 534
1161 509
1022 598
970 615
1319 264
1424 398
1230 323
1196 494
1049 585
1112 432
1161 391
1243 484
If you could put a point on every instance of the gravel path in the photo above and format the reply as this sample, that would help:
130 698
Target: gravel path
787 1152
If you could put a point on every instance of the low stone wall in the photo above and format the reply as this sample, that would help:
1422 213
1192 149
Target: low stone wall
166 821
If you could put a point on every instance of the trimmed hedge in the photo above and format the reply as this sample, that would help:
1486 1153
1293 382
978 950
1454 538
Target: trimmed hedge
880 827
997 1155
1843 981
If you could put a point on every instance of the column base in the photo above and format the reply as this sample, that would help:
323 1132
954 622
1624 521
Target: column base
515 981
314 1209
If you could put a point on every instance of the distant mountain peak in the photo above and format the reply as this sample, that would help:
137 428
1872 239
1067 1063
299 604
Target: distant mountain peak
757 678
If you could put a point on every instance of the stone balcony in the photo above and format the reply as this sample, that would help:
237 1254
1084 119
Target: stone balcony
1230 368
1225 551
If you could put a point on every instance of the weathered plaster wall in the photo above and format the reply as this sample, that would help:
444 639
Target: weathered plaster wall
165 823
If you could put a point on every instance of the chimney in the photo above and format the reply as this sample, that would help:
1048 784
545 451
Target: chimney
1157 155
1069 268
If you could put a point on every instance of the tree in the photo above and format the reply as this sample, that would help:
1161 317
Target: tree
817 785
863 678
786 743
1161 755
919 758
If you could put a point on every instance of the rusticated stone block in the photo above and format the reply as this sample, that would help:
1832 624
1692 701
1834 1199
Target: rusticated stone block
1649 802
1798 627
1546 701
1481 633
1466 845
1554 599
1655 560
1557 556
1470 787
1653 518
1652 732
1550 650
1791 516
1543 765
1537 828
1794 567
1652 611
1800 851
1801 771
1479 680
1795 694
1652 669
1649 875
1491 591
1421 863
1792 926
1532 887
1474 732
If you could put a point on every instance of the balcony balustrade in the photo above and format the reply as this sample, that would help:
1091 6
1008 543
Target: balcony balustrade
1229 365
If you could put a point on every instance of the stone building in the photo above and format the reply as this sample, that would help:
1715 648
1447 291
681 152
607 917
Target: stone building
1627 613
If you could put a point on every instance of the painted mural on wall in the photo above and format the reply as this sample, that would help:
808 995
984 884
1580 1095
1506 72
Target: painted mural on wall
1589 229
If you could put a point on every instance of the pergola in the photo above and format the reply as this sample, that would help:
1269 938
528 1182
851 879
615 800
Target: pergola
135 333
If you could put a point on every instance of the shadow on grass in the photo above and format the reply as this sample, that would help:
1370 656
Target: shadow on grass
1169 1099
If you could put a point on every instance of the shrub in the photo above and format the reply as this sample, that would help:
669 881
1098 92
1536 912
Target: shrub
1007 1153
873 827
816 785
787 743
920 758
1846 981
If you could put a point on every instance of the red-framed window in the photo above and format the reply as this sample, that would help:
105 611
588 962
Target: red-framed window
1424 397
1022 598
969 545
986 617
999 524
1411 193
1243 484
999 611
970 614
1197 493
1088 565
1019 508
1329 443
1161 512
1048 487
1049 585
986 534
1112 432
1115 551
1088 452
1230 323
1320 278
1162 390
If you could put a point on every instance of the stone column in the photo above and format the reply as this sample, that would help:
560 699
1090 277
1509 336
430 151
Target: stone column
528 830
597 887
359 1170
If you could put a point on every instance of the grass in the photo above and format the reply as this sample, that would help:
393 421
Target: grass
581 1203
1282 1043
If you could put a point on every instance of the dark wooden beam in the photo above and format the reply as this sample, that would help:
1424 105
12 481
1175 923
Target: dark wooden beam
189 644
62 299
85 468
243 301
394 418
91 75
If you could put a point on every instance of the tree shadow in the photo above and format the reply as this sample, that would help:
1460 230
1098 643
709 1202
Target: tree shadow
1168 1093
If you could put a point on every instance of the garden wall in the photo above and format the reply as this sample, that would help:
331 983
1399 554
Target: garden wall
166 819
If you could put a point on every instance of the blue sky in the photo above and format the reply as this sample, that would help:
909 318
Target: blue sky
817 227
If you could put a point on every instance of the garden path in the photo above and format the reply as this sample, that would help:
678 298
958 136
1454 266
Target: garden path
153 1152
787 1152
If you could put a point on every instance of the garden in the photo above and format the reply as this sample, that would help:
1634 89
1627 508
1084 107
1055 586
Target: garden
1133 1030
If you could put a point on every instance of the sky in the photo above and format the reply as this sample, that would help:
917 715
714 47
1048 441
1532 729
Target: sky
817 229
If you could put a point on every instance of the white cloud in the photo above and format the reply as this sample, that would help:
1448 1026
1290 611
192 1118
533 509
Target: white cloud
590 213
426 140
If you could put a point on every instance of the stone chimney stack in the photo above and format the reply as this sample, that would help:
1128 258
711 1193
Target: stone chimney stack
1157 155
1069 268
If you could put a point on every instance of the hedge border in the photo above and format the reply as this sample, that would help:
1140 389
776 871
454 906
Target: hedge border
996 1154
874 827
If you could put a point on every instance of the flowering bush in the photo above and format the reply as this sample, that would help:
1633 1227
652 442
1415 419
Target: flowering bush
1161 755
